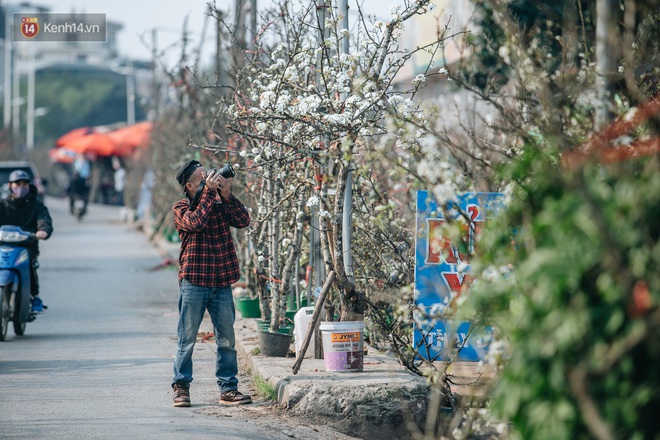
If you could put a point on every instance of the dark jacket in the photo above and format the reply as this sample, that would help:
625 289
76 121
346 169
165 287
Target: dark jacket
28 212
78 186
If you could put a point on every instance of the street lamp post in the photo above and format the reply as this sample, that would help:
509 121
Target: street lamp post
130 94
29 131
8 68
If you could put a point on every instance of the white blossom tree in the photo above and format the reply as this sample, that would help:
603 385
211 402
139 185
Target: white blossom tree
305 110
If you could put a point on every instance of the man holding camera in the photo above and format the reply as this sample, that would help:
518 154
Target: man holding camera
208 265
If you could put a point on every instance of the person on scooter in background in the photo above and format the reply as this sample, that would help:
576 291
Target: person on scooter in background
24 209
77 186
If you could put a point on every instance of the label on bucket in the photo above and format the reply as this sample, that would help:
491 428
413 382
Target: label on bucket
344 347
343 361
345 337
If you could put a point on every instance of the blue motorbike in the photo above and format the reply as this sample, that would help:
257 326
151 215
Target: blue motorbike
15 279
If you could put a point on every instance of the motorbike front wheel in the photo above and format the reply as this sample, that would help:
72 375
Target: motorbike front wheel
19 327
5 312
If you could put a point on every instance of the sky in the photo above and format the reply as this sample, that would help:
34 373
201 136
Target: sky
139 17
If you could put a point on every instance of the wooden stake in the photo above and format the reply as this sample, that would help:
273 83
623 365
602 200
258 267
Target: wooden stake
312 325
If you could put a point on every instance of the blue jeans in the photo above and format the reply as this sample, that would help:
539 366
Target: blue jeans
193 302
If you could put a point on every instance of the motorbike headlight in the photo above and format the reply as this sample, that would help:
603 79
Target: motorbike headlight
12 236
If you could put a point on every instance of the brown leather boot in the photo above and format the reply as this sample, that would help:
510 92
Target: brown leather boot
181 394
234 397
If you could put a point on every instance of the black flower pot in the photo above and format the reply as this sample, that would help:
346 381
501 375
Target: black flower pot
274 344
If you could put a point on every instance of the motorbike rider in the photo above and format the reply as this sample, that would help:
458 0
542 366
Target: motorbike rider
78 186
24 209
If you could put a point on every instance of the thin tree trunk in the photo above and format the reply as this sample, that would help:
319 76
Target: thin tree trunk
273 253
606 58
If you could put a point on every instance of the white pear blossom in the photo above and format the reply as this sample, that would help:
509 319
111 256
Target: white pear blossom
419 79
283 103
266 99
337 119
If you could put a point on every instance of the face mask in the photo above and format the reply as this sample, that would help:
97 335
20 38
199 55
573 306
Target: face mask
20 191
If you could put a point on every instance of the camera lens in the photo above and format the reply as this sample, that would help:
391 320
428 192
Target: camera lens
227 171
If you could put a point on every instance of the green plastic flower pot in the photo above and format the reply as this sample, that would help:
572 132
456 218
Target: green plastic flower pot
248 307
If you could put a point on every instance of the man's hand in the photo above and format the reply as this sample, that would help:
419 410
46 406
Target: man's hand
214 180
41 235
225 187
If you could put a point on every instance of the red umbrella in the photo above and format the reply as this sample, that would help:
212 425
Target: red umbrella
76 133
96 143
131 137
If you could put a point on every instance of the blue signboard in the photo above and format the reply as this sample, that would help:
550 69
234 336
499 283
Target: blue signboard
442 273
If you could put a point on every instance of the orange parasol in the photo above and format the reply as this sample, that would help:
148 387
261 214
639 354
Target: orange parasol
131 137
96 143
76 133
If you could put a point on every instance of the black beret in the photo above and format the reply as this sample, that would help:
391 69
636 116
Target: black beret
185 171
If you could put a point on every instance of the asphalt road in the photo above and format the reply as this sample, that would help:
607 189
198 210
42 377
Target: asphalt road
98 363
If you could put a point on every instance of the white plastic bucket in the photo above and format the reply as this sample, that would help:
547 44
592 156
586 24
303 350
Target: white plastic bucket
343 345
301 321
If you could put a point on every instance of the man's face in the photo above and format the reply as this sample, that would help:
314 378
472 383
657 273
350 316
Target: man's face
20 188
197 176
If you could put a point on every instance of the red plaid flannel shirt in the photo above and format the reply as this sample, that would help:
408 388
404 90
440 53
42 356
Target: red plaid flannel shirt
208 257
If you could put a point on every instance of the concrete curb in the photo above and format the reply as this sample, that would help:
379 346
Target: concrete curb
378 401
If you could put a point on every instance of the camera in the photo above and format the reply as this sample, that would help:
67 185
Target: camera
227 171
